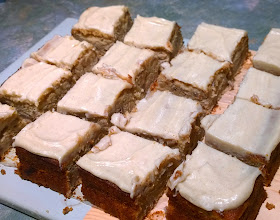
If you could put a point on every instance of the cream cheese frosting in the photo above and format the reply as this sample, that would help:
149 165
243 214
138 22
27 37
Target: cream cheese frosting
102 19
161 114
213 180
151 32
196 69
220 42
63 52
246 128
93 95
130 162
261 87
7 114
54 135
267 57
29 84
122 61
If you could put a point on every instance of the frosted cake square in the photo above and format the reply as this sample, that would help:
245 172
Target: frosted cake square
223 44
251 133
96 98
67 53
267 56
103 26
125 175
214 185
166 118
261 88
158 34
36 89
196 76
139 67
48 148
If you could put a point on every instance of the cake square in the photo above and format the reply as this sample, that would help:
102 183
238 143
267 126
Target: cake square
261 88
10 125
267 56
251 133
67 53
223 44
166 118
125 175
214 185
48 148
96 98
158 34
103 26
196 76
36 89
139 68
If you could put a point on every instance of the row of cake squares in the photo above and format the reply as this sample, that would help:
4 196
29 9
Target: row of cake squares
160 100
211 183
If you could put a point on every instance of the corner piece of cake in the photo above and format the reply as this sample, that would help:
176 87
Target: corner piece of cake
49 147
213 185
267 56
36 89
139 67
67 53
158 34
251 133
10 125
196 76
166 118
96 98
125 175
103 26
223 44
261 88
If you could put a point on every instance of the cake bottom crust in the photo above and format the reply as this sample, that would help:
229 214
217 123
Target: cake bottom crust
109 197
180 209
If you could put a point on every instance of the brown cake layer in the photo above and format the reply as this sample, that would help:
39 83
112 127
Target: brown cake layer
109 197
180 209
47 172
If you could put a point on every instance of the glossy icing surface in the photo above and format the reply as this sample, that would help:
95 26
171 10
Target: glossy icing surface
196 69
220 42
128 161
92 95
213 180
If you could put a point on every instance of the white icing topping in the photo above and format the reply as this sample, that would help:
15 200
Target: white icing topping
196 69
55 135
6 111
122 61
164 115
62 51
267 57
217 41
261 85
213 180
151 33
101 19
30 83
28 62
246 127
130 162
208 120
92 95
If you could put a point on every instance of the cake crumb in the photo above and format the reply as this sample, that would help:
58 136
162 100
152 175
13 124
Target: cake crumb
16 171
270 206
177 174
80 198
66 210
157 215
3 172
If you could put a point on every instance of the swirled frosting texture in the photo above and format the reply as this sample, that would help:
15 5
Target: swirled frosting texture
213 180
